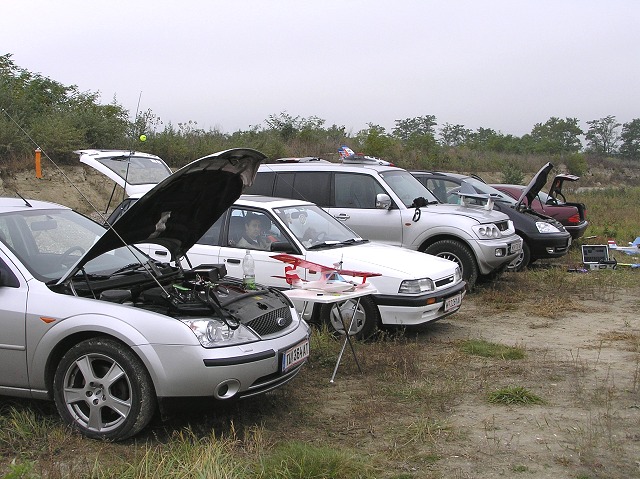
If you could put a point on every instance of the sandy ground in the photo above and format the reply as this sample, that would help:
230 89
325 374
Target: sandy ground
585 364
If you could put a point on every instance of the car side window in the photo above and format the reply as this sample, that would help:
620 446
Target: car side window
438 187
4 234
284 186
8 278
262 184
249 229
212 236
314 186
356 191
451 188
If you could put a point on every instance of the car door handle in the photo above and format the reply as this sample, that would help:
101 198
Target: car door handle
160 253
233 260
342 217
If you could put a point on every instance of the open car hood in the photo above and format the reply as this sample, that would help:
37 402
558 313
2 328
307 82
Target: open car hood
534 186
182 207
556 186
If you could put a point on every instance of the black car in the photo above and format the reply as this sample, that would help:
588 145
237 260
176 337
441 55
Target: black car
543 236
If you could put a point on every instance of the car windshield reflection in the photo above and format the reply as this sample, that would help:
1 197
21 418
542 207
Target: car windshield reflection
51 242
314 227
407 187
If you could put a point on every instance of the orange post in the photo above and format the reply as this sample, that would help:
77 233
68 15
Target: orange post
38 166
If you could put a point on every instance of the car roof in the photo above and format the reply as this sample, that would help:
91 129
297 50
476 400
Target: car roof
327 166
12 205
443 174
269 201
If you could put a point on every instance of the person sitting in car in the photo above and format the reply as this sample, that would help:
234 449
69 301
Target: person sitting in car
253 237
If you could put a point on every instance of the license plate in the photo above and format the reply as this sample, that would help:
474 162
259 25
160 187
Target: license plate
295 355
453 302
515 247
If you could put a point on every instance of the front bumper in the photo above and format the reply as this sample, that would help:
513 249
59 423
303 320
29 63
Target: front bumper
413 310
549 245
222 373
493 254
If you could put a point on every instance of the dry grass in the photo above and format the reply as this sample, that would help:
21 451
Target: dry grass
418 409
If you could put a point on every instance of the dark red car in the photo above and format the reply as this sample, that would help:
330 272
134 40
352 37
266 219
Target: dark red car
571 215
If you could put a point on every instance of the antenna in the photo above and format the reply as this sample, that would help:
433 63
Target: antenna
84 197
135 120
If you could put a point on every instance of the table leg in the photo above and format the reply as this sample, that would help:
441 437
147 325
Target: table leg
347 339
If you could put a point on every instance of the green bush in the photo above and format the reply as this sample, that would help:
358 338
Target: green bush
512 174
576 164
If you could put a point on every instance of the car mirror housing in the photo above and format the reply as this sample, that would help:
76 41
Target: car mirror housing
383 201
282 247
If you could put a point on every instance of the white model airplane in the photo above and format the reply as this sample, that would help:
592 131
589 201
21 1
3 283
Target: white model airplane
347 155
632 249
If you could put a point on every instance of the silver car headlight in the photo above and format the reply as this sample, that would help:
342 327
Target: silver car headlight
213 333
546 227
488 231
457 275
416 286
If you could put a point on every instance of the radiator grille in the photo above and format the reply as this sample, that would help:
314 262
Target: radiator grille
271 322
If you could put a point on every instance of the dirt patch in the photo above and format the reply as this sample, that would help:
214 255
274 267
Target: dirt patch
78 187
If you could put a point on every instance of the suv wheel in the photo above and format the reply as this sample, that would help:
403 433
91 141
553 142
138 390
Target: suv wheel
337 316
102 389
459 253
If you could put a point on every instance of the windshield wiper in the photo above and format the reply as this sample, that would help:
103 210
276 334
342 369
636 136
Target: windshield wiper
354 241
324 244
129 267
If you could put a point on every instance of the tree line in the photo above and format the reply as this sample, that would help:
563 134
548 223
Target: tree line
60 119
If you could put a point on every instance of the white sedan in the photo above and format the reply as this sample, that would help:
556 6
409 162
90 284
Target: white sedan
414 288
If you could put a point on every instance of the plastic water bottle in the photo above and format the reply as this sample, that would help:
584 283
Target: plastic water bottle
249 271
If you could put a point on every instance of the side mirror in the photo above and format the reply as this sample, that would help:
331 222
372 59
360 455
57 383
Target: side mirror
383 201
282 247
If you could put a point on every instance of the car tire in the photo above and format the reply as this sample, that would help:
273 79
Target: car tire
336 317
522 260
459 253
99 410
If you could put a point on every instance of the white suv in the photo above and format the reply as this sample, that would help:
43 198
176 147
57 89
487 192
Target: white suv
387 204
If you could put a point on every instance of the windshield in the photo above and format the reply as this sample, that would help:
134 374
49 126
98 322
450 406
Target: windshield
478 186
313 226
406 187
50 242
137 170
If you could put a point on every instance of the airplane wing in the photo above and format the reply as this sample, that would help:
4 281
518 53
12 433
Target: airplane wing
360 274
310 265
302 263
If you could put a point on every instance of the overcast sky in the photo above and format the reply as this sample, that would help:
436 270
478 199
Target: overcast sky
501 64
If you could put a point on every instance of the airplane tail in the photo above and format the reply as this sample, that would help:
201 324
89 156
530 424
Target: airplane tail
291 277
345 151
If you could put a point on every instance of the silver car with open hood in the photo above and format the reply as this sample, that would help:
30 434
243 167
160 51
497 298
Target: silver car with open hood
109 334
